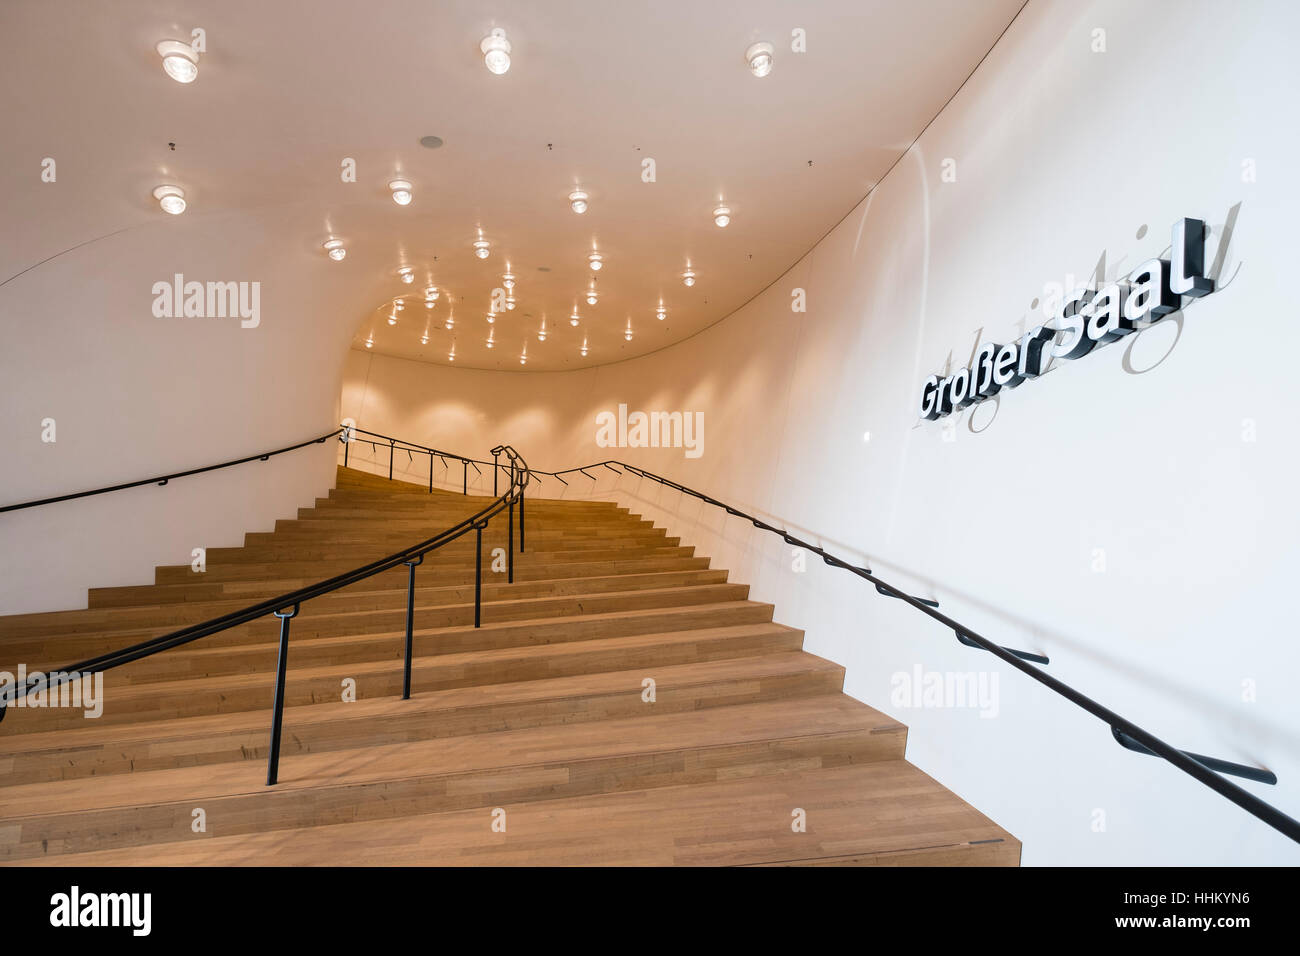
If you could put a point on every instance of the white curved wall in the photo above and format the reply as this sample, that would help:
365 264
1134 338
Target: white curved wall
1061 153
134 395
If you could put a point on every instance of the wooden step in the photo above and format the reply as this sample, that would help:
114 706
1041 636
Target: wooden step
396 780
480 708
884 813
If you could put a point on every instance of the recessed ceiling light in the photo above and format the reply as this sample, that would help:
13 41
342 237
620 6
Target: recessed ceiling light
583 351
424 339
510 303
370 342
496 51
428 303
595 260
688 277
431 293
660 313
334 247
450 323
491 317
407 274
578 200
721 216
180 62
759 58
592 295
401 190
573 319
431 142
481 248
392 318
508 280
627 334
451 356
171 198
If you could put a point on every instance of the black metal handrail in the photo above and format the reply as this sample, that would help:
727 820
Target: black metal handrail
399 444
286 606
164 479
1125 732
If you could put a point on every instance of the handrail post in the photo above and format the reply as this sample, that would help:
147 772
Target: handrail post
347 446
464 488
430 472
521 521
478 575
410 624
510 545
391 445
273 762
495 468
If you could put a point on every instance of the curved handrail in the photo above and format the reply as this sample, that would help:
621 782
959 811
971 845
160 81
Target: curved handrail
279 605
1127 733
163 479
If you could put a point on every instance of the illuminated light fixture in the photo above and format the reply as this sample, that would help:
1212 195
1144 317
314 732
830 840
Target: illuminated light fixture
592 295
180 62
496 51
721 216
491 317
759 58
171 198
370 342
510 302
573 319
428 303
451 356
401 191
627 334
392 318
523 358
578 200
449 324
399 304
595 260
481 248
541 333
334 248
431 293
688 277
583 351
508 280
407 274
424 339
490 343
661 313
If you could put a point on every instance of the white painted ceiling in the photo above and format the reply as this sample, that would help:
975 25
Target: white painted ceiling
287 90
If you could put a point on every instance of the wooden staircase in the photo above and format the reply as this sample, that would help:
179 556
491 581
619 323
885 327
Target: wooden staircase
526 741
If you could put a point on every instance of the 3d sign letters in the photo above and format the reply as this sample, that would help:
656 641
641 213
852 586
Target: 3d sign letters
1087 317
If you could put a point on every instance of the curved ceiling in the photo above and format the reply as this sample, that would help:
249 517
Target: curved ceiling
287 93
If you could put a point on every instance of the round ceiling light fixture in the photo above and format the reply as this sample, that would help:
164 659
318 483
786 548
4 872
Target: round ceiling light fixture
510 303
578 200
424 339
481 248
180 62
573 319
431 293
721 216
450 323
171 198
407 274
583 351
661 313
496 51
370 342
334 249
595 260
401 190
491 317
592 295
688 277
759 58
508 280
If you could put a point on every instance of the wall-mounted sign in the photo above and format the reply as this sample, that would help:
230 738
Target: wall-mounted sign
1087 317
